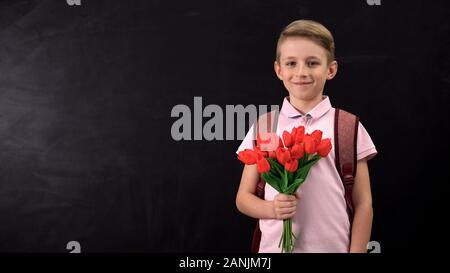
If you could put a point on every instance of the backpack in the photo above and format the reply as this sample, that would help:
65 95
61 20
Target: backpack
345 138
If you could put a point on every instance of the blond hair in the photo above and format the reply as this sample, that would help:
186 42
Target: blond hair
309 29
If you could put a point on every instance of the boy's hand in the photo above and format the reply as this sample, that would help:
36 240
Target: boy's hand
284 206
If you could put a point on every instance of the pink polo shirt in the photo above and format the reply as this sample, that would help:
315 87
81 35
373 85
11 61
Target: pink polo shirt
321 222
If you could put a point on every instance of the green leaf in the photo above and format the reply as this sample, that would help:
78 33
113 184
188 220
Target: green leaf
290 178
272 181
285 180
276 166
298 171
301 163
294 186
274 173
303 159
313 158
303 172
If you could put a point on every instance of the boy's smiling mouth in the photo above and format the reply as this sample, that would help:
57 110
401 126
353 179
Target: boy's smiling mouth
302 83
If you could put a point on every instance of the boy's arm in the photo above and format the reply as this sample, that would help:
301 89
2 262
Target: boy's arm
281 207
246 200
362 201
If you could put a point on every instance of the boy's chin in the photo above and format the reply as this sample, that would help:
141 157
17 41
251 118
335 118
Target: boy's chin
304 95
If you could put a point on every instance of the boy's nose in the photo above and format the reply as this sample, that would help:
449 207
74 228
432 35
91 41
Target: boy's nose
301 71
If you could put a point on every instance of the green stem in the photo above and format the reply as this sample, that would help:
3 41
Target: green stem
287 239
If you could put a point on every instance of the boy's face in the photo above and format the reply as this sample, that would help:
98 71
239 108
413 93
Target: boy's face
304 68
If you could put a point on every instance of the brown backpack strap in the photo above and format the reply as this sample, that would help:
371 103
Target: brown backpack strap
345 140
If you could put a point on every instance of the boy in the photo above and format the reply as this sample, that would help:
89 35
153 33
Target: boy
304 61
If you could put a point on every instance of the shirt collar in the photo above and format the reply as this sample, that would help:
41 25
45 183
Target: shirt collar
319 110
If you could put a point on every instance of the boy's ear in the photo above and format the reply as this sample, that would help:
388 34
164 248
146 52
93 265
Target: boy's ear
277 68
332 70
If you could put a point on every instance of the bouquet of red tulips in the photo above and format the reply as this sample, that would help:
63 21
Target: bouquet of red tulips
286 166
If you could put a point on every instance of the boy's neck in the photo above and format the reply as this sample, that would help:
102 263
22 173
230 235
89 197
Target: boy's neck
304 106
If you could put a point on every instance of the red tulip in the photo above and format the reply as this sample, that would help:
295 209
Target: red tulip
248 156
283 155
293 132
317 136
280 142
263 165
310 145
291 165
272 154
287 137
260 153
299 134
297 150
324 147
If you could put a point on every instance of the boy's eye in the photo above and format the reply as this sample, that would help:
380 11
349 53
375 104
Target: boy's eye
312 63
292 63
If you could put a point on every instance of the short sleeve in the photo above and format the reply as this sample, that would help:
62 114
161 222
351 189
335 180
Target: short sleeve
365 147
248 141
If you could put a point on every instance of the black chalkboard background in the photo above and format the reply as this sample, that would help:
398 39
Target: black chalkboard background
86 93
